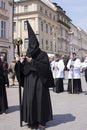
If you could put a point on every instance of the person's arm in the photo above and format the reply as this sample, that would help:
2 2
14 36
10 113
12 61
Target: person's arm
41 64
19 71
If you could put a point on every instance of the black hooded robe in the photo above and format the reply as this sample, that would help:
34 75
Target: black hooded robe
36 97
3 95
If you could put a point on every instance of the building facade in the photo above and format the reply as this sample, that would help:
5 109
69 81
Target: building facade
78 41
54 29
6 35
63 31
49 22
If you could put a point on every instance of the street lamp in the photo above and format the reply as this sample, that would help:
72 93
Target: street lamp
54 45
71 33
80 40
54 41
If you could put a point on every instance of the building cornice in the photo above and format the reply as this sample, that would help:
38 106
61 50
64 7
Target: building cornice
41 1
63 23
49 4
25 13
39 15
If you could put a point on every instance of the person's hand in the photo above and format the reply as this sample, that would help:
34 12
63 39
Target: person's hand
71 65
53 68
29 59
83 69
17 58
57 68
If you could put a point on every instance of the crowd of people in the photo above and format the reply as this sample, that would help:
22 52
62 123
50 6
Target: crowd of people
75 68
33 73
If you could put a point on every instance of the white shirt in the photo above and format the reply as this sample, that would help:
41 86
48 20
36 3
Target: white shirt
74 72
84 64
57 69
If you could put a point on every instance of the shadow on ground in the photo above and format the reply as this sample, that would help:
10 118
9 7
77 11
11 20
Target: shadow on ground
60 118
12 109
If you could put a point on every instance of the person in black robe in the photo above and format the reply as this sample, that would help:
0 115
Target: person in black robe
36 108
5 68
3 95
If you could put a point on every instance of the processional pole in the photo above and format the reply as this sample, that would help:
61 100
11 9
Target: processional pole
20 95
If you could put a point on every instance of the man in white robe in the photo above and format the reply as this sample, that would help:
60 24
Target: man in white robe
84 67
74 76
57 67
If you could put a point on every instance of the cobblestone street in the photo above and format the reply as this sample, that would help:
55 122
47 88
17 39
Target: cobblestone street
69 110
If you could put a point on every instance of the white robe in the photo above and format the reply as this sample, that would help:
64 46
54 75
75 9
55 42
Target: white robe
58 71
84 64
74 72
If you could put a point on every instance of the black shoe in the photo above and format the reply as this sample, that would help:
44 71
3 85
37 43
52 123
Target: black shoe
33 126
1 112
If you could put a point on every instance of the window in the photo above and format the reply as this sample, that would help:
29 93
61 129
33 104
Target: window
41 26
3 4
50 46
53 17
50 15
46 28
25 8
46 12
60 17
66 47
63 19
14 24
42 44
47 47
3 29
50 30
14 9
41 9
26 41
25 25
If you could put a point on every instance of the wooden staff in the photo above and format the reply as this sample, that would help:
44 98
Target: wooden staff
20 98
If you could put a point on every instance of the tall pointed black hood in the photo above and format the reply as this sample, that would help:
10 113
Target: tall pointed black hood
33 45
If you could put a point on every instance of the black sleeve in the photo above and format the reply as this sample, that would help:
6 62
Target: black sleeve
41 64
19 73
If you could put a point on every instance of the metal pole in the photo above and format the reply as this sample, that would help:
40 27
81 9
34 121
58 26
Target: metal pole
71 34
72 80
13 27
72 75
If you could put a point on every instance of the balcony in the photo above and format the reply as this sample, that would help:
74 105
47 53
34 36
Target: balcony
63 23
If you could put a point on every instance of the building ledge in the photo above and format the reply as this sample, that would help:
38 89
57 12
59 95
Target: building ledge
63 23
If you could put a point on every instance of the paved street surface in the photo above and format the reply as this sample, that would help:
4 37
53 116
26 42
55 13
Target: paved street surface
69 110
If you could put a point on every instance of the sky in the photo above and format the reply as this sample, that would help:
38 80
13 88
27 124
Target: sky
76 10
